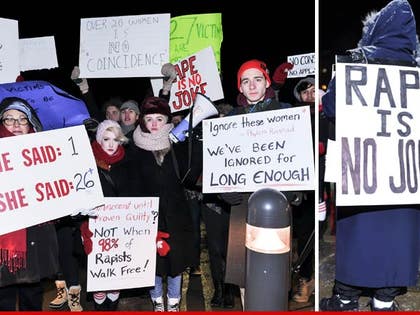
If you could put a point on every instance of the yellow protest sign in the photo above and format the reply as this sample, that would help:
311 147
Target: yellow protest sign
192 33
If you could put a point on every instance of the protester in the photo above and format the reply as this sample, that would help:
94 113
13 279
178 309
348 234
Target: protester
117 175
70 255
377 247
28 255
129 116
253 81
162 168
111 108
303 209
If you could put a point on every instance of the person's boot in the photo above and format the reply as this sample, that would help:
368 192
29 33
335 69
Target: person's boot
228 297
389 308
304 291
158 305
62 295
217 299
337 303
74 298
173 305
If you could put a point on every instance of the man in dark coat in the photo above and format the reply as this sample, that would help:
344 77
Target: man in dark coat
377 247
256 95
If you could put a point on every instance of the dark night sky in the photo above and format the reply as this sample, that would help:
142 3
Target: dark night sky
340 27
249 32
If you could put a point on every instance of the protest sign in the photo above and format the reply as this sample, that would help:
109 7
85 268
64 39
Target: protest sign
194 32
195 74
264 149
303 65
9 48
37 53
377 134
124 244
124 46
54 107
45 176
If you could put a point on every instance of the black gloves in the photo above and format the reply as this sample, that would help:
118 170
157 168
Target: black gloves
232 198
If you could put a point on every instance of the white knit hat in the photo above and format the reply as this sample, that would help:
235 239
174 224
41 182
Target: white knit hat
104 126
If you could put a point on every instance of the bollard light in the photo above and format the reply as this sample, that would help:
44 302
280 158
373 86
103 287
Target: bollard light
267 251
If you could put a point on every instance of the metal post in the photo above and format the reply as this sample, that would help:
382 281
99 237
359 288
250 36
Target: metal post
267 252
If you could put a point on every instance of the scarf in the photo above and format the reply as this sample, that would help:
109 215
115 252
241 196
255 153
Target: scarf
103 159
127 128
13 244
153 142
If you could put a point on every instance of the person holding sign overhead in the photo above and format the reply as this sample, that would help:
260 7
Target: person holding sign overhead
164 173
377 246
28 255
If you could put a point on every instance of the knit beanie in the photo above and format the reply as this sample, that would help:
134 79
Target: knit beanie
131 104
103 126
23 106
253 64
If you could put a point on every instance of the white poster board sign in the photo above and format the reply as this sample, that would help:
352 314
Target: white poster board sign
124 244
37 53
245 153
377 133
45 176
9 48
303 65
195 74
124 46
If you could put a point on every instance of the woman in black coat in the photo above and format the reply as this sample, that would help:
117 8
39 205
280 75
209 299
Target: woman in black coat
115 168
162 166
28 255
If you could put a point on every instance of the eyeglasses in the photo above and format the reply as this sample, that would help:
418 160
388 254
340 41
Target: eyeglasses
11 121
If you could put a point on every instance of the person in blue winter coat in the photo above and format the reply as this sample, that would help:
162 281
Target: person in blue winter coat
377 247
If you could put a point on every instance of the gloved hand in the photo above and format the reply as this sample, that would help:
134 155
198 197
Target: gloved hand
86 237
280 74
91 124
169 75
86 212
81 83
161 245
232 198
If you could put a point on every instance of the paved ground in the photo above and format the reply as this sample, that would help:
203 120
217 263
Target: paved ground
197 292
407 302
